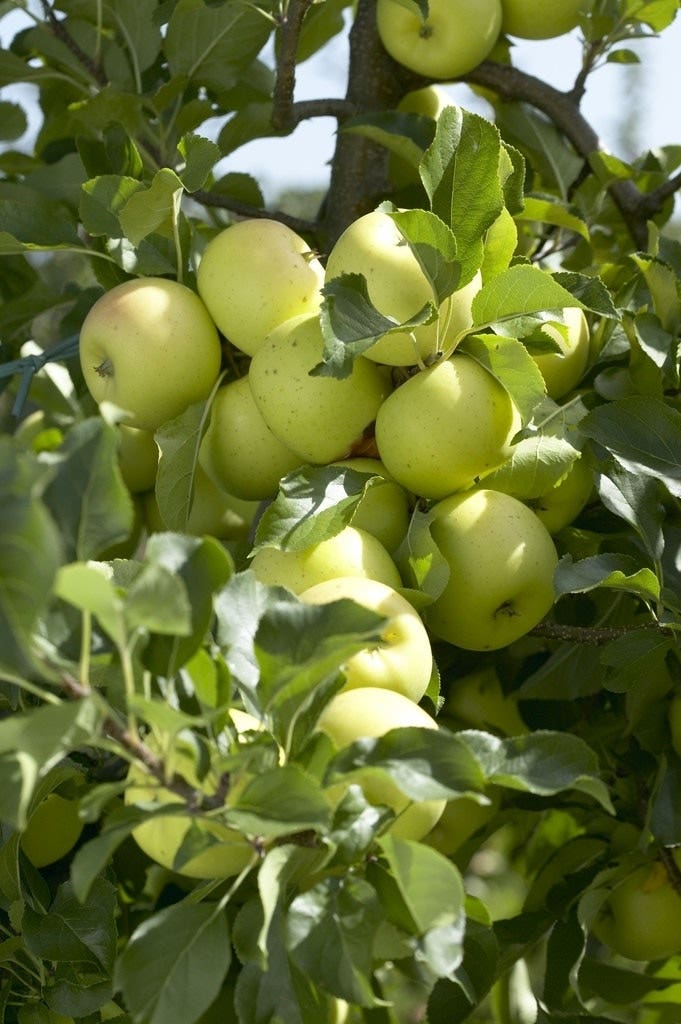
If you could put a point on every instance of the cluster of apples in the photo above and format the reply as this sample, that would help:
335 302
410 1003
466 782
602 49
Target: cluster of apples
456 35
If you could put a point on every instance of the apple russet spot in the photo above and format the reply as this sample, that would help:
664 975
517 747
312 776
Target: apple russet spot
239 451
150 347
371 711
501 563
351 552
374 246
318 418
455 37
404 661
446 427
254 275
641 918
540 19
563 370
384 508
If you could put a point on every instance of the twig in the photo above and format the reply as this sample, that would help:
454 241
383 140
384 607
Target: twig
594 635
226 202
60 31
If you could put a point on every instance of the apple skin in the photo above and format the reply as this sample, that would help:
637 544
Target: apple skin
563 370
404 662
256 274
161 837
461 819
317 418
137 458
373 246
455 37
150 347
239 451
351 552
370 711
540 19
476 701
501 560
641 918
384 509
445 427
53 829
213 512
561 505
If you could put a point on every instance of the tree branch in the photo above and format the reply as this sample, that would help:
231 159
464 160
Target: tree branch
595 635
285 82
225 202
59 30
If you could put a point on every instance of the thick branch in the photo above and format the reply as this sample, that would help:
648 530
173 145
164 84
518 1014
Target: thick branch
284 86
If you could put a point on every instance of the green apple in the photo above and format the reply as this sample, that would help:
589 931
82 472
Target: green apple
256 274
318 418
53 829
453 39
540 19
461 819
476 701
213 512
137 457
150 347
371 711
641 918
351 552
239 451
161 837
446 427
384 509
374 246
404 661
561 505
501 563
429 101
563 370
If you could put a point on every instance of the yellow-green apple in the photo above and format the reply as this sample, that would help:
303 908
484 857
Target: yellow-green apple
429 101
540 19
384 509
212 512
560 506
162 836
318 418
256 274
374 246
403 660
351 552
239 451
453 39
446 427
501 563
137 457
371 711
476 701
150 347
53 829
641 918
461 819
563 370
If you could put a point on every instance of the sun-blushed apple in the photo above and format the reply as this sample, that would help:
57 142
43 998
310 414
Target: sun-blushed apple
446 427
501 563
384 509
150 347
563 370
370 711
254 275
318 418
455 37
351 552
374 246
540 19
403 661
641 918
239 451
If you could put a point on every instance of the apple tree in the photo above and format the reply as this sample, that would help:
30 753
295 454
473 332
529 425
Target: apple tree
339 545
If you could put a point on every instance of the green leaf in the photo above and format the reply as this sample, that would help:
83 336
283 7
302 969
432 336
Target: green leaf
91 588
520 290
173 966
430 886
617 572
406 134
537 464
545 147
551 211
153 209
278 802
101 203
13 121
72 931
634 658
179 441
200 156
635 498
435 247
508 360
239 606
30 217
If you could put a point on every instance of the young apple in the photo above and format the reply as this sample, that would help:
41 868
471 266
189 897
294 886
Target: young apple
641 918
501 562
384 509
446 427
351 552
540 19
404 660
453 39
373 246
239 451
318 418
476 701
561 505
461 819
254 275
137 458
563 370
371 711
150 347
53 829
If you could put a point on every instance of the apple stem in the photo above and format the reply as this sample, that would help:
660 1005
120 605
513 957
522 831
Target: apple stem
105 368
